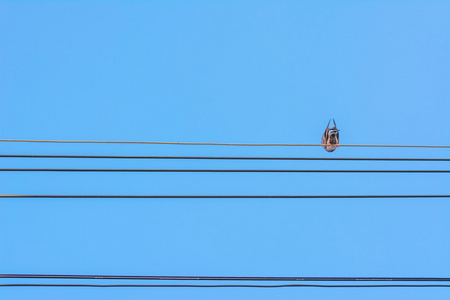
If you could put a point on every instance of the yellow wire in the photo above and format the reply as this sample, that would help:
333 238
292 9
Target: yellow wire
214 144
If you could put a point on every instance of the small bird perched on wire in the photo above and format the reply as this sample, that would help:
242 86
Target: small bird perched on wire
330 138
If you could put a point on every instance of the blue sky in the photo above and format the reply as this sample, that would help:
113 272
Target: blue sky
225 71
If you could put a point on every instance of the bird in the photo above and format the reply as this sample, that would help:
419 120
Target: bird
330 138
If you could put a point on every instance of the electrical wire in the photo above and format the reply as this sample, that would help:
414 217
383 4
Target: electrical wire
218 157
228 285
221 196
226 278
225 196
216 170
219 278
211 144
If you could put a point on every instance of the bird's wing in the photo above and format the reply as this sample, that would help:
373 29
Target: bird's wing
325 134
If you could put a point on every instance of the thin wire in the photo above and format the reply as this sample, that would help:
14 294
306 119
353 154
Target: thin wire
220 278
225 196
218 157
212 144
216 170
228 285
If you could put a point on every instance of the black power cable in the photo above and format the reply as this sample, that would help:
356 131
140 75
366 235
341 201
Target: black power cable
229 285
216 170
227 196
221 278
220 157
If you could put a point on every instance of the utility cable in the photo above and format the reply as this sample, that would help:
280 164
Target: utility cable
225 196
211 144
220 278
230 285
216 170
218 157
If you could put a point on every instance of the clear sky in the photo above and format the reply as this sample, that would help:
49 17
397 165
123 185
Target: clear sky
225 71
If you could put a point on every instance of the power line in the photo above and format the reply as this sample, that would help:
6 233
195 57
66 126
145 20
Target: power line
211 144
218 157
225 278
229 285
220 278
216 170
225 196
222 196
